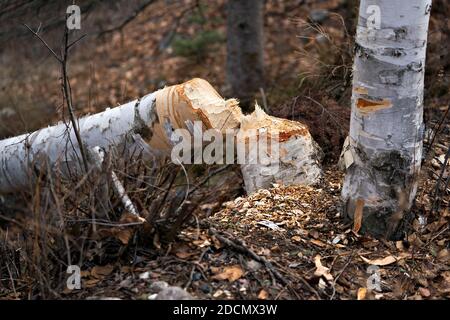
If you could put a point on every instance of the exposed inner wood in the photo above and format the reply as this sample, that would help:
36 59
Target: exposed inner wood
148 124
298 156
367 105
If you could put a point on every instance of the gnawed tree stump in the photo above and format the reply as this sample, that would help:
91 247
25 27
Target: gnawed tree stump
146 128
298 156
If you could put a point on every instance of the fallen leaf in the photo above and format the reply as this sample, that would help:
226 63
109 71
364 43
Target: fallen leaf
202 243
314 233
361 293
90 283
446 276
253 265
441 158
322 284
264 252
128 217
217 244
399 245
443 255
126 269
218 293
215 270
183 251
184 254
336 239
156 241
100 272
123 234
424 292
404 255
319 243
380 262
321 270
357 218
263 295
378 296
231 273
275 248
85 273
446 213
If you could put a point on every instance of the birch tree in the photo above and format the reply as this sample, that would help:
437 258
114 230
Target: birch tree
146 127
384 149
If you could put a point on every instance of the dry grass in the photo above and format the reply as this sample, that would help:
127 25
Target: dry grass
59 222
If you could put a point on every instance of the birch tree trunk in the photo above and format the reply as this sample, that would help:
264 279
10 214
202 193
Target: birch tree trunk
146 127
384 149
245 49
140 127
24 155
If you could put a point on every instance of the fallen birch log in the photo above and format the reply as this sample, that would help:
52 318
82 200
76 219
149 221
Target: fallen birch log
150 127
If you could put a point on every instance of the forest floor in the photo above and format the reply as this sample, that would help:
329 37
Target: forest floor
281 243
289 243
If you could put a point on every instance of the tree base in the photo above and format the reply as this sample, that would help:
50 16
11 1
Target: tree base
380 223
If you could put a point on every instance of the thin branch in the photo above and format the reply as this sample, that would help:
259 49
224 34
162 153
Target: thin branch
68 97
44 42
99 156
66 84
437 130
134 15
76 41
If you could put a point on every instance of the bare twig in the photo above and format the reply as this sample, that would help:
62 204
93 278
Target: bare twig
340 273
76 41
437 190
437 130
118 187
68 97
130 18
44 43
195 266
67 93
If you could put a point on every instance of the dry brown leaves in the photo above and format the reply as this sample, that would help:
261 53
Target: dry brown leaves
124 230
231 273
300 227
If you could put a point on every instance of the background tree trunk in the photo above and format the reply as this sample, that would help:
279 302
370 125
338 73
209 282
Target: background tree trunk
384 148
245 49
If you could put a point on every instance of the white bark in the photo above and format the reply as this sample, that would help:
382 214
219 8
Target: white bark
297 160
384 148
145 128
115 129
140 127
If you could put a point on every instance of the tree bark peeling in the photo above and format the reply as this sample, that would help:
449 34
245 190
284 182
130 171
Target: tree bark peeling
386 129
